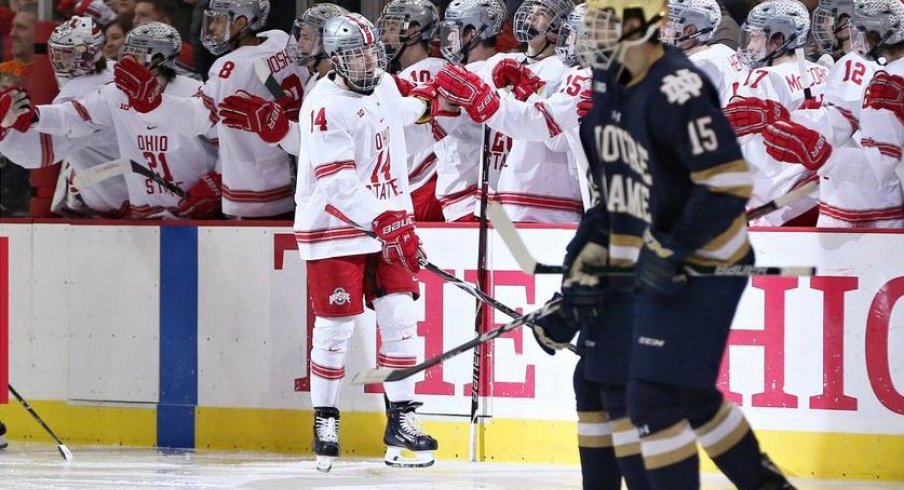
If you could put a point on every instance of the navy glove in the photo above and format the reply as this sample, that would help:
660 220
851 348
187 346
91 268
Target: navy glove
553 332
661 263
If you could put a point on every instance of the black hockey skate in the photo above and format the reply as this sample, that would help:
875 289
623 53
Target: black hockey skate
2 436
773 479
326 437
404 432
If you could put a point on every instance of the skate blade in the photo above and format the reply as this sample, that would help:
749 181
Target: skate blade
398 457
324 463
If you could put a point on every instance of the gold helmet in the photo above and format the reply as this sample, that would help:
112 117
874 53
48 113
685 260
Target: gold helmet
615 25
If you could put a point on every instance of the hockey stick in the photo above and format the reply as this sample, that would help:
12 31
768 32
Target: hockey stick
263 73
99 173
64 451
783 200
512 239
383 374
146 172
427 265
482 232
805 80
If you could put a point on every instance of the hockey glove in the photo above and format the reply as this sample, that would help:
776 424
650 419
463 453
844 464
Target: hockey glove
585 102
467 90
395 229
553 332
144 90
791 142
16 109
886 92
810 105
97 9
251 113
660 264
523 81
203 199
751 115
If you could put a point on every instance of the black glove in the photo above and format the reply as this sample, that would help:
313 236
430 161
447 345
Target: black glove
553 332
660 264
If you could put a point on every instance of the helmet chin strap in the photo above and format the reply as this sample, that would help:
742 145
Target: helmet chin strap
695 35
785 48
874 52
465 51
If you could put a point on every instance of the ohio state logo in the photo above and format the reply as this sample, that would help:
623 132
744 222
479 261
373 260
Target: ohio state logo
339 297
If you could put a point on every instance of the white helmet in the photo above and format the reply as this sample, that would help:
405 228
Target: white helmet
154 44
400 15
883 18
485 17
831 18
306 41
536 18
765 23
691 23
75 47
605 21
216 28
355 49
569 47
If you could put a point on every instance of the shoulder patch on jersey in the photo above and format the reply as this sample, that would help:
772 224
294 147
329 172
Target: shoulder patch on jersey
681 86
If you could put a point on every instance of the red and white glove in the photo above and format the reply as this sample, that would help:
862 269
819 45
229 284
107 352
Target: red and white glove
749 115
97 9
251 113
465 89
203 199
791 142
144 90
585 102
886 92
16 110
523 81
395 229
405 86
811 104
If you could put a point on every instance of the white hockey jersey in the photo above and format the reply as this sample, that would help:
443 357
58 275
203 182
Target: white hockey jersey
723 67
780 83
536 183
34 149
175 156
256 175
861 186
458 157
352 157
419 138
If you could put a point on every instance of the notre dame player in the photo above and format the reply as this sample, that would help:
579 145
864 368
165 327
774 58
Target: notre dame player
675 186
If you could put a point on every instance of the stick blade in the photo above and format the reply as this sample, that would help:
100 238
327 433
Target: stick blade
798 271
104 171
371 376
509 235
65 452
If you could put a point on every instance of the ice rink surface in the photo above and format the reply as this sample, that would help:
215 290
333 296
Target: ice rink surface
31 466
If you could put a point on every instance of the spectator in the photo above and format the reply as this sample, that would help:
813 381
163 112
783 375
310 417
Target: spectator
163 11
115 34
22 40
124 7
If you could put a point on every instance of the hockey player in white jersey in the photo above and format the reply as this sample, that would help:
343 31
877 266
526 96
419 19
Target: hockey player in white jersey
306 41
774 87
74 49
553 120
186 161
352 159
690 26
830 27
864 183
468 37
535 184
407 28
256 175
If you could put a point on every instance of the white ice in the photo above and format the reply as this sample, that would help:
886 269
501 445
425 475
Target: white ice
32 466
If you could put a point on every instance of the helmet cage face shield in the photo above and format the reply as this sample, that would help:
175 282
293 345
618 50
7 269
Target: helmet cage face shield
72 61
752 47
304 43
362 68
216 31
532 20
451 35
614 26
686 27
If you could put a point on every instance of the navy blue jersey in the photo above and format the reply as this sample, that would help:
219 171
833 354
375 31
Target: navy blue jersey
665 157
